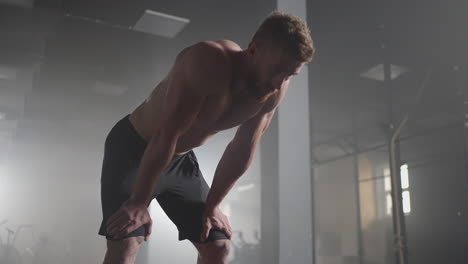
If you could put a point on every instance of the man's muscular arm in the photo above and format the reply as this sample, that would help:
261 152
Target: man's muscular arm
237 157
235 161
198 72
240 151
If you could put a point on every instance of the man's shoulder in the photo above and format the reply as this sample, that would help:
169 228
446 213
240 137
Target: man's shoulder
206 47
208 63
218 49
228 45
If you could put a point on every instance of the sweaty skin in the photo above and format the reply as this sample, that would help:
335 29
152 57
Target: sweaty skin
212 86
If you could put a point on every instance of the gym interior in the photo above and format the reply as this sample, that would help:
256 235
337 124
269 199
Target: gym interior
365 161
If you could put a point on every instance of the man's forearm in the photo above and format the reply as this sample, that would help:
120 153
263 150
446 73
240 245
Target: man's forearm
234 162
155 159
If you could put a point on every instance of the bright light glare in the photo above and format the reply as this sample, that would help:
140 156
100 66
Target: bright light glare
404 176
406 202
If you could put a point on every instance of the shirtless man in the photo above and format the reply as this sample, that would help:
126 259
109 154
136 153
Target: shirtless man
212 86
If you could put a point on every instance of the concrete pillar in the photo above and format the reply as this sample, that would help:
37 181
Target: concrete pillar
295 187
269 218
286 171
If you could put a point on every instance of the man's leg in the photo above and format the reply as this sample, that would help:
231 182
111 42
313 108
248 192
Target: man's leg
214 252
123 251
184 202
123 150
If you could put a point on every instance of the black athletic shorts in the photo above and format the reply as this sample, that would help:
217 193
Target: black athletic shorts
181 189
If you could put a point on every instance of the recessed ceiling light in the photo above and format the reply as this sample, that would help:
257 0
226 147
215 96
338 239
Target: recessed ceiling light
160 24
377 73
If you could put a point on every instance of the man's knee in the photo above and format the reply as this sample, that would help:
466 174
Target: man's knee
218 249
123 251
127 243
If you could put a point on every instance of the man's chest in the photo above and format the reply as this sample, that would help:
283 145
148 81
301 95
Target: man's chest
224 112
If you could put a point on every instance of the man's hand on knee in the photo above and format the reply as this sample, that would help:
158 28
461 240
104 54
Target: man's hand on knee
128 218
215 219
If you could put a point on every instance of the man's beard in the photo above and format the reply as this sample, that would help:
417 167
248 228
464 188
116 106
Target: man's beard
258 89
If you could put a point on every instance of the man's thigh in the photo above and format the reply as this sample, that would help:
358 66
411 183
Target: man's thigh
122 154
185 198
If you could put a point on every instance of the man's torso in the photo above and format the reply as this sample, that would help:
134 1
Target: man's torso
221 111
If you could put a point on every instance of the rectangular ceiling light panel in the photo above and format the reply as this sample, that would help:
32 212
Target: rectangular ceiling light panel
160 24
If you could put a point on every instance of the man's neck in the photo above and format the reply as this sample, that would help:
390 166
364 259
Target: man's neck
241 66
